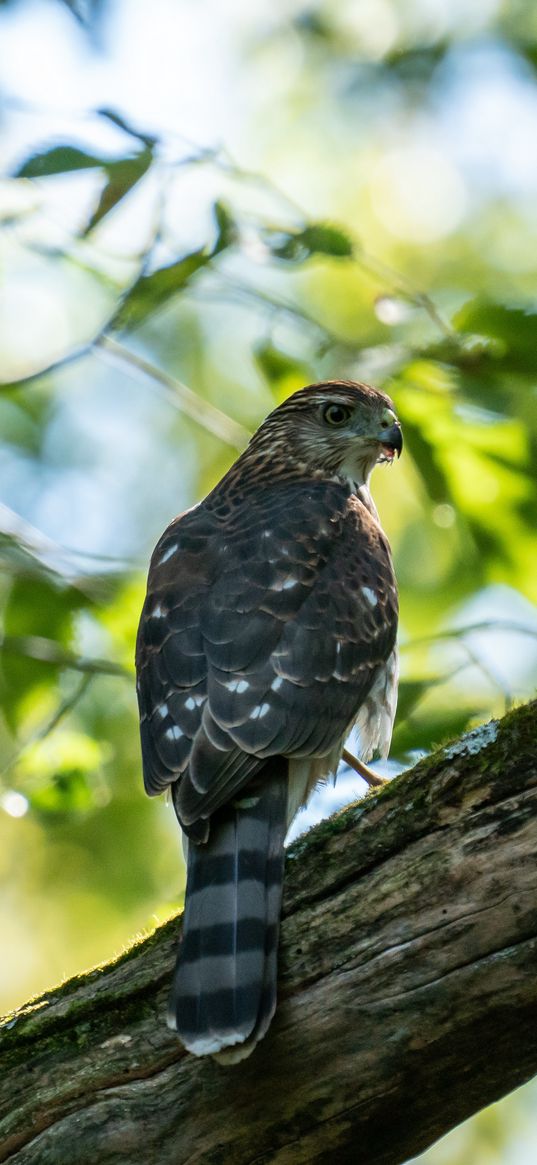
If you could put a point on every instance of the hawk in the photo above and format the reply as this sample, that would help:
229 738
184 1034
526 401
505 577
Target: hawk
268 632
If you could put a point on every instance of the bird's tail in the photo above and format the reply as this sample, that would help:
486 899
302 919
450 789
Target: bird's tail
224 989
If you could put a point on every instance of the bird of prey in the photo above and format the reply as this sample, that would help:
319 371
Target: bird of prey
267 633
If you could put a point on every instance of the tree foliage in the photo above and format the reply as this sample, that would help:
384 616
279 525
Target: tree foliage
161 298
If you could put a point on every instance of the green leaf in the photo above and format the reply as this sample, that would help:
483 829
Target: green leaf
327 240
311 23
58 160
67 794
226 227
117 119
316 239
18 426
152 291
426 459
122 175
284 373
38 607
409 695
511 329
35 607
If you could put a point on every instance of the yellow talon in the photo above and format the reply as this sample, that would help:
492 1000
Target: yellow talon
373 779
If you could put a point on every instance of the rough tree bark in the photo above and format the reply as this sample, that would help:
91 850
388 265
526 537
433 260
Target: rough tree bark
408 994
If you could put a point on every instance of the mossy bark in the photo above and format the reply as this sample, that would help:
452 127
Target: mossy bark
408 994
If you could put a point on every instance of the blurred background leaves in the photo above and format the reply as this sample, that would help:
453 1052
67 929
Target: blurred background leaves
204 208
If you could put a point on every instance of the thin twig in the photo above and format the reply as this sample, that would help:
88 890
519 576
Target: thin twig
62 710
49 651
277 303
43 550
362 258
470 628
405 287
184 398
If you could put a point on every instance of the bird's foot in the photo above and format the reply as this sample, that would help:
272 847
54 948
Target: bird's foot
373 779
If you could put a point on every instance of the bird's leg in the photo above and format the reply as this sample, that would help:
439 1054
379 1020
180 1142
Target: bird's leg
373 779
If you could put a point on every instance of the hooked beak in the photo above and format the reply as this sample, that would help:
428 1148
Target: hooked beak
391 442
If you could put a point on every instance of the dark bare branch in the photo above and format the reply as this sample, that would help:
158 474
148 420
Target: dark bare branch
408 994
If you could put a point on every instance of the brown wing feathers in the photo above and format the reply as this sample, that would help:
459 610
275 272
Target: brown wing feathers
270 614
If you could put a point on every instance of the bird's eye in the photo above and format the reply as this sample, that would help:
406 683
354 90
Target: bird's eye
388 419
336 414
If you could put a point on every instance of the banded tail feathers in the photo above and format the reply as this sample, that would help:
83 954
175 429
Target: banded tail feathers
223 995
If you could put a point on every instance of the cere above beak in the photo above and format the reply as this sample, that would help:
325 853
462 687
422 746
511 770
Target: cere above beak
392 442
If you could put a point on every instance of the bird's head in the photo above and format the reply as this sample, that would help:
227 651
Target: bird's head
334 429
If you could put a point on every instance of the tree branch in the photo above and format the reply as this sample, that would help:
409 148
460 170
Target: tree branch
408 994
